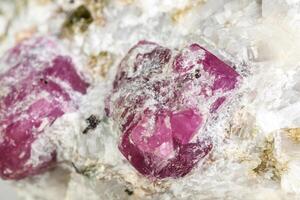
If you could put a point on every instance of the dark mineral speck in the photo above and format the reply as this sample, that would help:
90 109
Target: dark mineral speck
93 122
129 192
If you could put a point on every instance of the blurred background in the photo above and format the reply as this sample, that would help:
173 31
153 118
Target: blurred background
7 192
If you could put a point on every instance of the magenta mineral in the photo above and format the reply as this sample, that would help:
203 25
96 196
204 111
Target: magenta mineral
162 100
38 87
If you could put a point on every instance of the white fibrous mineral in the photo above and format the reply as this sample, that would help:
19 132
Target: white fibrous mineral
209 109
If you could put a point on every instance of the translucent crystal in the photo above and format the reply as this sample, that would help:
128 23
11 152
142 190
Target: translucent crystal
162 103
37 88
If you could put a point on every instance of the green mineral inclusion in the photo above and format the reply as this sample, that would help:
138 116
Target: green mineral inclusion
81 17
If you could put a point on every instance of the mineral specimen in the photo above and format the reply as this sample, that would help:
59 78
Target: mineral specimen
38 86
162 103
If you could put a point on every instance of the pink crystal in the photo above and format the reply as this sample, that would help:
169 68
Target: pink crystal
162 103
182 131
38 87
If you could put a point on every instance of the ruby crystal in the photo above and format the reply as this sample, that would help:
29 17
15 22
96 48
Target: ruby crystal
162 101
37 87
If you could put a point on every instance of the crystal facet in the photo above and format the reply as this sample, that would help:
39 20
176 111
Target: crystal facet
37 88
162 102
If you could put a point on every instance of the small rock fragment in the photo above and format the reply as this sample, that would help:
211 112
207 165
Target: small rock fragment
93 122
79 19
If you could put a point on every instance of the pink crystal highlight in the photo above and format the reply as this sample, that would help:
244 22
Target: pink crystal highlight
182 131
162 100
38 87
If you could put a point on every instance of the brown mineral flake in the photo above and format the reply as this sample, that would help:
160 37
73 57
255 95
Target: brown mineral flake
293 134
101 63
269 162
